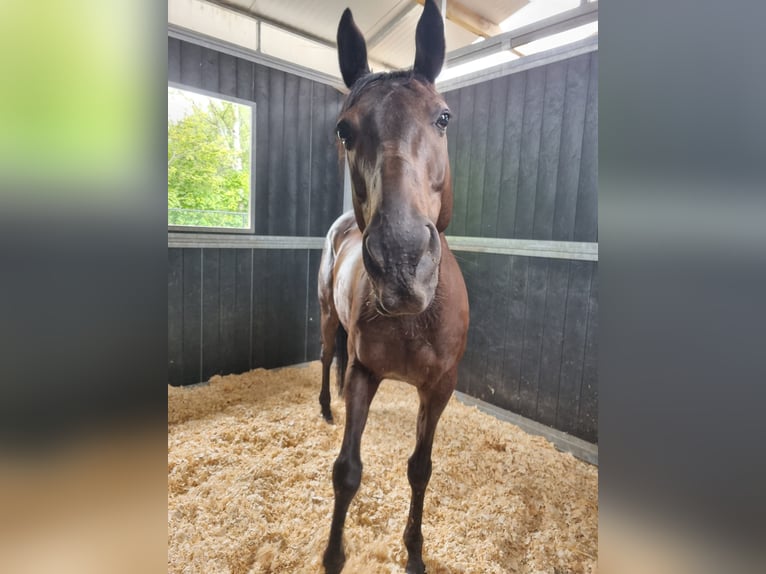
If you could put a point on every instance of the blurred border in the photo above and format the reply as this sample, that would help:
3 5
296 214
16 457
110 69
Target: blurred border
683 268
83 291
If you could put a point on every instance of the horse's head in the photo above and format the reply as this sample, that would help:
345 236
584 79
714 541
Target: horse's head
393 127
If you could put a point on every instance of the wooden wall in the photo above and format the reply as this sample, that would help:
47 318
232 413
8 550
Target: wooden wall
230 310
523 152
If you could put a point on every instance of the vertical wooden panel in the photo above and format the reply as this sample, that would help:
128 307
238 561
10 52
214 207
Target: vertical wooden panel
303 153
174 60
268 293
514 328
478 293
242 310
175 316
262 141
586 220
461 179
209 70
227 266
276 188
191 64
509 184
333 182
319 199
588 414
227 74
292 306
296 305
313 320
477 160
550 142
501 381
192 316
552 340
453 103
245 79
572 127
493 165
211 314
534 318
530 150
287 198
467 377
326 174
573 349
489 311
261 329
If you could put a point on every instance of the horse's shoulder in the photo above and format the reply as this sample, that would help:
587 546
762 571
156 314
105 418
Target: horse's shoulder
343 228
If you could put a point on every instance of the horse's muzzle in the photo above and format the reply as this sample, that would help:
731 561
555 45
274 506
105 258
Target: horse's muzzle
402 262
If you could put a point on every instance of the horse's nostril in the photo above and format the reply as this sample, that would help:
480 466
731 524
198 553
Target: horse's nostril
433 237
376 259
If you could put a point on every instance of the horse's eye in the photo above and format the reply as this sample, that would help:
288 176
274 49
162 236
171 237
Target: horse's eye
343 131
443 120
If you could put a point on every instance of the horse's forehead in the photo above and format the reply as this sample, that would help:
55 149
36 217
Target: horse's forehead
397 100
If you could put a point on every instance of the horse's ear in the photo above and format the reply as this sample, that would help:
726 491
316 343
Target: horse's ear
429 42
352 50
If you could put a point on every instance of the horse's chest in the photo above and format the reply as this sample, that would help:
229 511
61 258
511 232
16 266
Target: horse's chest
411 357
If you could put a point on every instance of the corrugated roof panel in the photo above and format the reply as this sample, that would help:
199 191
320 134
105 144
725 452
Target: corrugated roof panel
321 18
398 46
286 46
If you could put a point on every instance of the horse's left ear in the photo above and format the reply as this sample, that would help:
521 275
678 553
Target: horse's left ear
429 42
352 50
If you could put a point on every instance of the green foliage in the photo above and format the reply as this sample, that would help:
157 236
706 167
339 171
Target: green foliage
208 162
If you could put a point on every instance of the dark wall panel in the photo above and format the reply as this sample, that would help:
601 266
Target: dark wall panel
192 314
523 153
531 343
175 316
211 312
586 219
232 310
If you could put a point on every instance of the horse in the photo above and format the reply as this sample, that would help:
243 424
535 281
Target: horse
392 298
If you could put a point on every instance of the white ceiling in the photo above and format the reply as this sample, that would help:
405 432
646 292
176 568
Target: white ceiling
303 31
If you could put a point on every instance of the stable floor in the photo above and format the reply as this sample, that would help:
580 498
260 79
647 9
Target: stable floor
250 489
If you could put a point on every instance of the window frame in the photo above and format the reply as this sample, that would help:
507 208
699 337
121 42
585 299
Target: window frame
251 206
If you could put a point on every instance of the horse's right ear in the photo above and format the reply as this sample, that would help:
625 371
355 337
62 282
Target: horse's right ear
352 50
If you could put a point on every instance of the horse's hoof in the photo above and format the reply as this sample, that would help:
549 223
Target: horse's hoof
333 564
415 568
328 419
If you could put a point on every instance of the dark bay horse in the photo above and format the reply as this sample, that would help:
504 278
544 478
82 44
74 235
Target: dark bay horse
392 297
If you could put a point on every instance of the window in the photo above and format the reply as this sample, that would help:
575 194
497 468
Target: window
209 160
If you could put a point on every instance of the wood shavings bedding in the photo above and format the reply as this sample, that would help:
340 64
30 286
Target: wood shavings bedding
250 489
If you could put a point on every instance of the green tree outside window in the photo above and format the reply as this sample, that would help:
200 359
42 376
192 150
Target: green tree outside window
208 161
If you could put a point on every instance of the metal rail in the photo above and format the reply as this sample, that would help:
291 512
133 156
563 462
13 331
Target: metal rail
571 250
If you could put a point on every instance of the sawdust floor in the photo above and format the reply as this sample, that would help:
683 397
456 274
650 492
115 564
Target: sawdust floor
250 490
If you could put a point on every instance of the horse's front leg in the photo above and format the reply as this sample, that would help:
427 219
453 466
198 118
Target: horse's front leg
347 470
329 326
432 402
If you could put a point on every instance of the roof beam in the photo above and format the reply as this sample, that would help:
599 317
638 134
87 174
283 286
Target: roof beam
468 19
